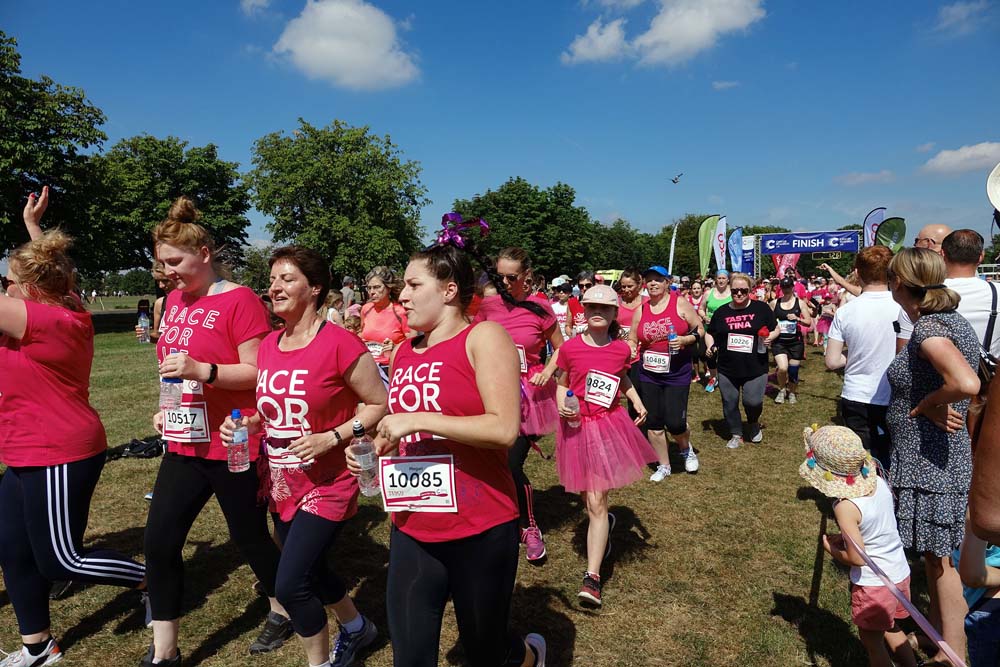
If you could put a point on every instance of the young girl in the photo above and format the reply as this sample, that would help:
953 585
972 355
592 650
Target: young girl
826 313
598 448
839 467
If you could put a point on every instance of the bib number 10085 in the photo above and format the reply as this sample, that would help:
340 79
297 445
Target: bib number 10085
418 483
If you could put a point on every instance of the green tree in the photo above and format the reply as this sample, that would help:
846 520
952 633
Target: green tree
138 179
254 271
47 129
558 235
685 248
621 246
342 191
138 281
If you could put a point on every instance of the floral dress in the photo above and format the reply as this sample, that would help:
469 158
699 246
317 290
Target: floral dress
930 470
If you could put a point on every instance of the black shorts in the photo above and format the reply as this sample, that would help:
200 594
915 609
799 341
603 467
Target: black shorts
795 349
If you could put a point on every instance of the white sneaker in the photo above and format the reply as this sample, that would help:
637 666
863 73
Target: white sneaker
780 397
691 460
662 472
791 399
758 436
537 642
50 656
734 442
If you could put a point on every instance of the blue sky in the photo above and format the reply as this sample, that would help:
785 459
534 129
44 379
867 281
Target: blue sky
800 114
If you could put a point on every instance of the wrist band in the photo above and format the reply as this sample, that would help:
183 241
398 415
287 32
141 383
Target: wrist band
213 374
336 434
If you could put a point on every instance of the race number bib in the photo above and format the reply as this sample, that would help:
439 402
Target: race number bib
374 347
188 423
602 389
656 362
624 332
521 356
788 328
418 483
740 343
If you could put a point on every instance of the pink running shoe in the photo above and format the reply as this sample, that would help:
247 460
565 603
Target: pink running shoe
534 543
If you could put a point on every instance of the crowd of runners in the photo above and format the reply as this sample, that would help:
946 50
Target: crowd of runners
458 366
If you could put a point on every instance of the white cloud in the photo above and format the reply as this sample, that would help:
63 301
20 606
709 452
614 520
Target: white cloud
967 158
251 7
600 43
865 178
349 43
961 18
925 148
724 85
620 4
684 28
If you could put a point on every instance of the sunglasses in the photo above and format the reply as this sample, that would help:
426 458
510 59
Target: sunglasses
510 277
740 290
586 285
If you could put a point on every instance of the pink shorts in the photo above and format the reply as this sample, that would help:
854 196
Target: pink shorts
876 608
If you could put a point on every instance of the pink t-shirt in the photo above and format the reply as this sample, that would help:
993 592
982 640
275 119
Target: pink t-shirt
45 413
625 315
210 329
299 393
378 324
441 379
528 330
594 373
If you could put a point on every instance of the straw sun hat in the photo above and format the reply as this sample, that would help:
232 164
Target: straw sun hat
836 462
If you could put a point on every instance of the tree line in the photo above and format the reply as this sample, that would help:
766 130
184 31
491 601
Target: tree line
345 191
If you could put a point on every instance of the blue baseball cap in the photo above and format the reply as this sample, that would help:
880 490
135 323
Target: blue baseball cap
656 268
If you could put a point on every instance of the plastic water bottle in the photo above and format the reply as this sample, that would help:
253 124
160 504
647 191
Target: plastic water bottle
238 454
143 328
671 335
364 453
573 403
170 393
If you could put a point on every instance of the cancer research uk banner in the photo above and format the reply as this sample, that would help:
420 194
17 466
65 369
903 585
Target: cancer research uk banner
719 244
801 242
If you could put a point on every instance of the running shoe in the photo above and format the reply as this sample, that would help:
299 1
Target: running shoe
148 620
537 644
662 472
734 442
50 656
590 592
758 436
348 644
272 636
172 662
791 399
780 398
60 590
612 520
148 496
691 463
534 544
712 384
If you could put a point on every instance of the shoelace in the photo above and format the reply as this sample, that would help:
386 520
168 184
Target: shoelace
343 637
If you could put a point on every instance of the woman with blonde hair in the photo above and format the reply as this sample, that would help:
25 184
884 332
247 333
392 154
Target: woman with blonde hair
53 441
212 329
932 380
383 320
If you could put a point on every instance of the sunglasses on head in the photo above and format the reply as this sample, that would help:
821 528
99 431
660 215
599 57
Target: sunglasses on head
740 290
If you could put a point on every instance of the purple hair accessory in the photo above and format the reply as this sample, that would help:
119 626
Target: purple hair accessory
452 227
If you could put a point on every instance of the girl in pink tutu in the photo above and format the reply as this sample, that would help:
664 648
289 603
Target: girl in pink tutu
598 447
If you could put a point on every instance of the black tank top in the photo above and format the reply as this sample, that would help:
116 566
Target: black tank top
784 325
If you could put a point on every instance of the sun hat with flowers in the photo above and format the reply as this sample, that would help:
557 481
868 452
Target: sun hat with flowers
837 464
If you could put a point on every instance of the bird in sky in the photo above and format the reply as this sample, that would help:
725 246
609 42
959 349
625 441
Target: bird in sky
676 179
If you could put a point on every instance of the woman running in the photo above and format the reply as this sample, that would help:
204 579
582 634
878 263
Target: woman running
664 333
453 400
53 442
212 330
311 375
598 448
719 295
738 336
630 300
789 348
699 364
531 325
383 321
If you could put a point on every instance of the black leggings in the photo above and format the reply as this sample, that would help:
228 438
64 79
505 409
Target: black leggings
477 572
305 584
43 516
183 486
753 402
516 456
666 406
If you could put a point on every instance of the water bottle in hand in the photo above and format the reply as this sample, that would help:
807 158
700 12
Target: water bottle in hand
364 453
170 393
671 336
143 328
572 403
238 454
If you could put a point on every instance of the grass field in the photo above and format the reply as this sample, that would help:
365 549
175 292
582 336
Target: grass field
117 303
717 568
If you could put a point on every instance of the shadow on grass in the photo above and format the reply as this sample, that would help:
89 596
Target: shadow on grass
825 634
629 541
717 426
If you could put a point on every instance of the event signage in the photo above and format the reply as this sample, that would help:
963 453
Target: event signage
748 248
800 242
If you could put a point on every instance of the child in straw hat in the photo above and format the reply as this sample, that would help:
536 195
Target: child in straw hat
839 467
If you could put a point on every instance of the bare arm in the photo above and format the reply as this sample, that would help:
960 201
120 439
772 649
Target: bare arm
688 313
33 212
13 312
849 519
840 280
806 317
972 567
960 381
242 375
835 357
154 328
984 509
633 332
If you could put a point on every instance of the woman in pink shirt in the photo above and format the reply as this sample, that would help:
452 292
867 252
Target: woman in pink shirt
453 403
51 440
383 321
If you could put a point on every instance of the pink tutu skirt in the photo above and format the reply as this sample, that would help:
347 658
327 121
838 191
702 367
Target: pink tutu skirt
539 412
605 452
823 326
